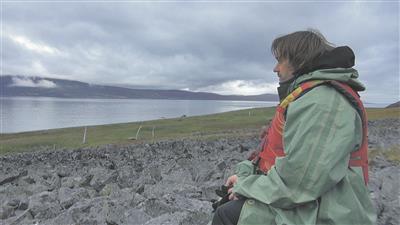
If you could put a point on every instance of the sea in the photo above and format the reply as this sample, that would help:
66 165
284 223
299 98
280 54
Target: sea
21 114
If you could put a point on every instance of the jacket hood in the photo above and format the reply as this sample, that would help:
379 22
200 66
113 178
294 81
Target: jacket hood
333 65
340 57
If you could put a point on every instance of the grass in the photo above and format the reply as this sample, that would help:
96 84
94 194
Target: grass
199 127
188 127
392 153
379 113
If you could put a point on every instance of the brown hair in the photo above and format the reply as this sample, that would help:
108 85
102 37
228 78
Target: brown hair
300 47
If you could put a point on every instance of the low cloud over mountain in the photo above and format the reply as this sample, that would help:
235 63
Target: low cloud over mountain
13 86
31 82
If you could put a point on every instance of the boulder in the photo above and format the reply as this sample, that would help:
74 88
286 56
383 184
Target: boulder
6 212
127 176
63 171
24 218
136 217
44 205
168 219
110 189
67 196
11 176
101 177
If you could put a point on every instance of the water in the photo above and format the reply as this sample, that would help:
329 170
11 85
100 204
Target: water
376 105
40 113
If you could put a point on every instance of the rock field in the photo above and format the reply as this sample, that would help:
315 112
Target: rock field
168 182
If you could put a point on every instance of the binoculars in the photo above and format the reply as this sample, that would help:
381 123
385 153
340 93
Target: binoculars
224 197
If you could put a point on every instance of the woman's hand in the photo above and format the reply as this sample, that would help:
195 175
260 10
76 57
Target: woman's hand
230 183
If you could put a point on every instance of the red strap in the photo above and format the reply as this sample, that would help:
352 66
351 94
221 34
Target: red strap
358 158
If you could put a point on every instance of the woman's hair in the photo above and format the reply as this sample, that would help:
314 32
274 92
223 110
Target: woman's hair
300 48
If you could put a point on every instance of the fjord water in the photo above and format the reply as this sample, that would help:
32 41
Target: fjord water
19 114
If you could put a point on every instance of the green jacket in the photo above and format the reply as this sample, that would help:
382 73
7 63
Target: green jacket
312 184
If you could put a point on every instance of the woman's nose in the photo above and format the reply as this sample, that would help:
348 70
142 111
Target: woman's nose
276 69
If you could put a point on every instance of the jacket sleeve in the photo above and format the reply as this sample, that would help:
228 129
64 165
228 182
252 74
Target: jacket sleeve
320 132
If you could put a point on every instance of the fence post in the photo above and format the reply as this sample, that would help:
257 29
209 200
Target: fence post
152 133
137 133
84 136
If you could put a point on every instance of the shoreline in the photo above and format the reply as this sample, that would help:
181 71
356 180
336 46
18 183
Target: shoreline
207 126
379 106
142 121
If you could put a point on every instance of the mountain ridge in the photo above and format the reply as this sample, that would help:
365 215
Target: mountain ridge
36 86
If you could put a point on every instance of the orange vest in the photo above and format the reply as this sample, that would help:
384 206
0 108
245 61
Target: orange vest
272 143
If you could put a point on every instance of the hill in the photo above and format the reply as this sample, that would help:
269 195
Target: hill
396 104
18 86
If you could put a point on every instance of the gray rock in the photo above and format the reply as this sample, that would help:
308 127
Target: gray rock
136 217
189 204
155 207
155 173
14 203
69 182
168 182
85 180
110 189
67 196
197 218
101 210
101 177
23 204
6 212
25 218
39 181
383 133
126 176
125 194
29 180
64 218
9 192
44 205
379 162
79 213
138 199
11 176
64 171
388 201
168 219
53 182
36 188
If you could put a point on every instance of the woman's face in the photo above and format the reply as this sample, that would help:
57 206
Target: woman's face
284 70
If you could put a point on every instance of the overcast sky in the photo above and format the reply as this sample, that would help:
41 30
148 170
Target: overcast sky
220 47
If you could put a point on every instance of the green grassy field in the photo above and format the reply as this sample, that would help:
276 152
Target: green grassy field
197 127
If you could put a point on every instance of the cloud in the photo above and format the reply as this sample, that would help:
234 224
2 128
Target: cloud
194 45
241 87
28 44
28 82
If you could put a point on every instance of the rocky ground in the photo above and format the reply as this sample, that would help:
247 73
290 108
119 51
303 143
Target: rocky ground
169 182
